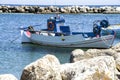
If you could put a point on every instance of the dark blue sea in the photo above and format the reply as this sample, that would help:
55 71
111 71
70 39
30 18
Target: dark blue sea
14 56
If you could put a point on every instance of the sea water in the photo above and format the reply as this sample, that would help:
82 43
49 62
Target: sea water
14 56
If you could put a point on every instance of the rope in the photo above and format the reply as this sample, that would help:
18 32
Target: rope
15 39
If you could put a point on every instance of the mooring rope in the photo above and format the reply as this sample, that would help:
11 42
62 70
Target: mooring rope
15 39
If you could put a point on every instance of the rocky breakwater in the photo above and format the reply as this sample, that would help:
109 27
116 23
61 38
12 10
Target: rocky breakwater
93 64
55 9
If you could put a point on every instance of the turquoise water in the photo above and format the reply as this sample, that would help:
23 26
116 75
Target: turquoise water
14 56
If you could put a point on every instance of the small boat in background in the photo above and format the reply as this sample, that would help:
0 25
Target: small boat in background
60 35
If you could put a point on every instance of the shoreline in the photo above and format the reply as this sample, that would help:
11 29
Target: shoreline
54 9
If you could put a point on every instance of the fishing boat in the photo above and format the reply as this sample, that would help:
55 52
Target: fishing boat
59 35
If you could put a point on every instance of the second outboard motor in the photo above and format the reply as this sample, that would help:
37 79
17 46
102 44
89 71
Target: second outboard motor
96 29
104 23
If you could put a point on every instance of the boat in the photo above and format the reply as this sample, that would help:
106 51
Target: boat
59 35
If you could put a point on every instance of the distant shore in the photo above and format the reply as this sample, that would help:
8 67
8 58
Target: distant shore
55 9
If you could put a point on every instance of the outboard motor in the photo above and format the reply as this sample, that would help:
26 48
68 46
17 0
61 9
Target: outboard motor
104 23
96 29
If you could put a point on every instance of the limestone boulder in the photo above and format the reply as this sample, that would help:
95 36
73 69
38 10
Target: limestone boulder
4 9
73 10
117 61
41 9
116 47
0 7
52 8
84 9
1 11
78 54
98 68
63 10
46 68
117 8
7 77
20 9
101 52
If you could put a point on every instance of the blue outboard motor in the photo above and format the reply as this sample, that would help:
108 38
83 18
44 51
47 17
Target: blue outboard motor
96 29
104 23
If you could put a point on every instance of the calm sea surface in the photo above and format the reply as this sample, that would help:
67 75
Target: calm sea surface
14 56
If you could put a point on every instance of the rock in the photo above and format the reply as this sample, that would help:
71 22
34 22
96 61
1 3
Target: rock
62 10
102 52
118 64
72 11
0 7
118 9
36 9
4 9
93 52
26 8
116 47
68 9
109 9
52 9
117 77
20 9
7 77
31 9
84 9
98 68
41 9
1 11
79 54
46 68
95 10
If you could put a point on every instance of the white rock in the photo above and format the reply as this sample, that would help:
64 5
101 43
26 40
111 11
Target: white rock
7 77
77 55
98 68
116 47
118 8
46 68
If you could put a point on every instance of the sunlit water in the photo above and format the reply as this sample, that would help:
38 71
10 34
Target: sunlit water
14 56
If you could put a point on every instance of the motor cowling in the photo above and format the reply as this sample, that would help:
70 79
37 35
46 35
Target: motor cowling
96 29
104 23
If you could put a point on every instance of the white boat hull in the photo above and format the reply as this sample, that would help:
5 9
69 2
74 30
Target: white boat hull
68 41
